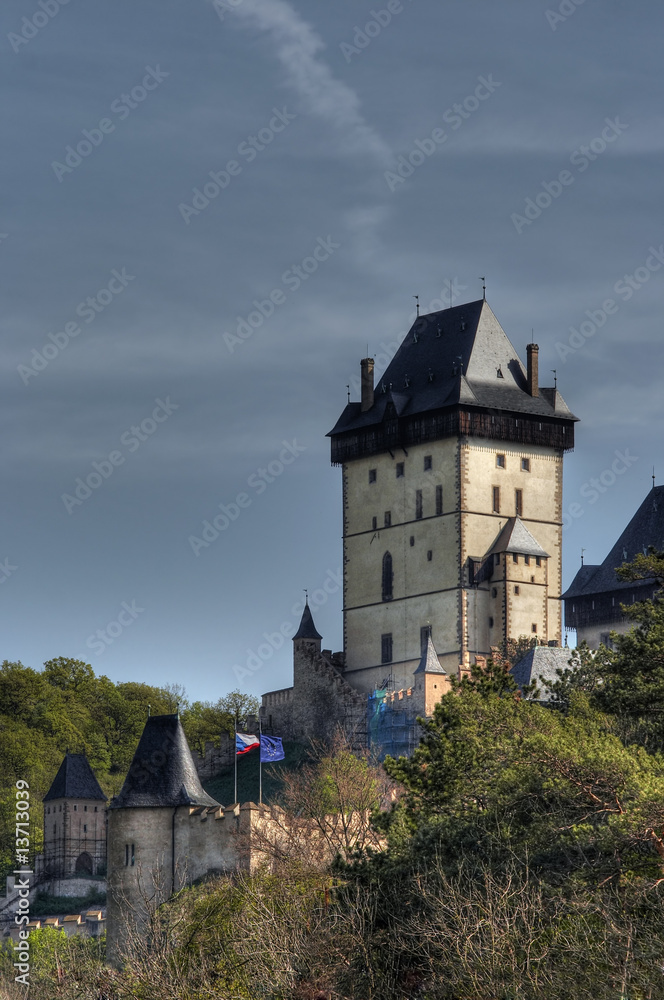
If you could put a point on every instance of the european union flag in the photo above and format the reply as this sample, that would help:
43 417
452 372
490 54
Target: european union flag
271 749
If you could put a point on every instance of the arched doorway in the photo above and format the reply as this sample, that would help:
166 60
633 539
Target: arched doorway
83 864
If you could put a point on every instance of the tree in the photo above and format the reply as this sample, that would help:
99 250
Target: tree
238 705
204 722
495 777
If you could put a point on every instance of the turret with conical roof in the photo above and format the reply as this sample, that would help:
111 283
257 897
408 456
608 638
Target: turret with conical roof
162 772
307 629
431 680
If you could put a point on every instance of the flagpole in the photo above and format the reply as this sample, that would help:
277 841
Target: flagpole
235 755
260 760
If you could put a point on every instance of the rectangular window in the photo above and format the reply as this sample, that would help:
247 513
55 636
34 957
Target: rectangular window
538 560
127 855
525 465
418 504
372 475
490 622
518 502
533 627
500 461
386 648
133 855
400 467
497 559
387 518
374 523
526 559
85 828
429 555
515 557
439 500
427 463
496 499
516 591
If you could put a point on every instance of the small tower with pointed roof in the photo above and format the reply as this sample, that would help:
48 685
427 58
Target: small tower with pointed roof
431 682
158 836
74 827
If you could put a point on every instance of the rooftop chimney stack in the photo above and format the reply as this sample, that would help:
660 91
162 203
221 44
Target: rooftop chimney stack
367 368
533 375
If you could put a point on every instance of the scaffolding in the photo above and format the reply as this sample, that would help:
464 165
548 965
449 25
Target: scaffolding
391 723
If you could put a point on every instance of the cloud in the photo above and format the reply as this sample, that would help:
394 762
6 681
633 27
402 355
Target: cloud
298 49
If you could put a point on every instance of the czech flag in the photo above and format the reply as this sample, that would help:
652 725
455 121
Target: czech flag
244 743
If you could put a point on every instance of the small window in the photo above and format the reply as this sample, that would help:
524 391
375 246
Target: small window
494 592
538 560
427 463
85 809
400 467
526 559
515 557
496 499
418 504
386 648
95 809
516 590
387 518
133 855
372 475
48 811
429 555
387 577
518 502
85 828
490 622
412 540
439 500
500 461
525 465
75 808
533 627
374 523
497 558
55 829
126 855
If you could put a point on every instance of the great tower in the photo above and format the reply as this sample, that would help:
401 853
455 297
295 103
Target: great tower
452 500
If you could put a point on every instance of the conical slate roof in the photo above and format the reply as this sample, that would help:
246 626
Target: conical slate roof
75 780
162 772
429 663
515 537
455 356
307 629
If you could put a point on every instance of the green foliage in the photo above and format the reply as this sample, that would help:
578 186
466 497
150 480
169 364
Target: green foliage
495 776
67 707
45 905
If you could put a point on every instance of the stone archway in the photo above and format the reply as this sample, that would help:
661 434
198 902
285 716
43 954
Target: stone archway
83 864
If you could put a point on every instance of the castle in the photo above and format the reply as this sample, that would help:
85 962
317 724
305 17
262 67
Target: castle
452 471
452 535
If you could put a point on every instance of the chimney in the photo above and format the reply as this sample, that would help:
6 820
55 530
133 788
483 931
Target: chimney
533 358
367 368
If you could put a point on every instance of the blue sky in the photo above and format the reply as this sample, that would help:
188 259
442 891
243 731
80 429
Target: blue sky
211 210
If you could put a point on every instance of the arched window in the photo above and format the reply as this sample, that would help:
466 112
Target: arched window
387 577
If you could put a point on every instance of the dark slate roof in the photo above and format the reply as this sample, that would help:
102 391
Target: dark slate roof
646 528
75 780
429 663
515 537
452 357
307 629
162 772
541 664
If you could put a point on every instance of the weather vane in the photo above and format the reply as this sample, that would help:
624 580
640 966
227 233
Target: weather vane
417 299
555 377
483 280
